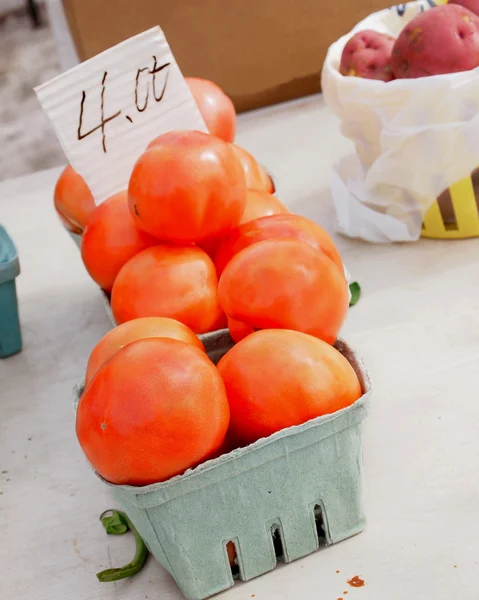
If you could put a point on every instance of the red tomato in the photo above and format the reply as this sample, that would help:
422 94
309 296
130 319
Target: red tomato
261 204
285 284
186 187
256 176
276 227
69 225
258 204
73 200
178 282
277 379
215 106
238 330
137 329
110 239
221 321
154 409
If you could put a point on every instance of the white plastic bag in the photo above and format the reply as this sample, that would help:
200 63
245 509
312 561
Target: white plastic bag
414 138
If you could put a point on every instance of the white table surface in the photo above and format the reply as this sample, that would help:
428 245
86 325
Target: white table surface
416 326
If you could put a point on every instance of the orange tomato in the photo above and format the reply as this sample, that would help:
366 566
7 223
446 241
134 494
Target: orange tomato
73 200
277 378
154 409
137 329
261 204
231 551
179 282
256 176
110 239
258 204
187 187
239 330
69 226
285 284
215 106
221 321
276 227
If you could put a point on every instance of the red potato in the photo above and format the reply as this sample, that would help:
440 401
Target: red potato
472 5
444 39
368 55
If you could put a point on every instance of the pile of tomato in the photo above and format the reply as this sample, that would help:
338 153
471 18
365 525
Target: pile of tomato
198 242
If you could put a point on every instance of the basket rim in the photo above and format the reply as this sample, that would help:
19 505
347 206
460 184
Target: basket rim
215 464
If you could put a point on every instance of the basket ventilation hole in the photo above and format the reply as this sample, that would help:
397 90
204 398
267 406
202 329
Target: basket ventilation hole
233 559
277 542
319 521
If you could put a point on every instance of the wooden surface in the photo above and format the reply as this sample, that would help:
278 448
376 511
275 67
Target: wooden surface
416 328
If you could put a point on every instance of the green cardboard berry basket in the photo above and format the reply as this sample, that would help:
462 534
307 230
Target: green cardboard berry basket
284 495
10 335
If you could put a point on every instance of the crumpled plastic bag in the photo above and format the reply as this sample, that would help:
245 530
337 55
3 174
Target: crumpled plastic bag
413 139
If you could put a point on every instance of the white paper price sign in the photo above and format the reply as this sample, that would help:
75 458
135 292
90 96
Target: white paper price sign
106 110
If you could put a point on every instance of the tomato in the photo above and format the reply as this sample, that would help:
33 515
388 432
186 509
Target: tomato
239 330
110 239
285 284
256 176
179 282
186 187
221 321
146 327
215 106
276 227
278 378
73 200
258 204
261 204
154 409
69 226
231 552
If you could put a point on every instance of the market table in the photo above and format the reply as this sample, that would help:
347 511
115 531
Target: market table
416 327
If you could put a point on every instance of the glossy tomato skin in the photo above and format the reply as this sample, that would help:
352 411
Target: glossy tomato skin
278 378
110 239
146 327
73 200
285 284
258 204
178 282
186 187
156 408
215 106
256 176
283 226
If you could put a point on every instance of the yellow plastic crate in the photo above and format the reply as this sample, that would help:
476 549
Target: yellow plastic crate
463 220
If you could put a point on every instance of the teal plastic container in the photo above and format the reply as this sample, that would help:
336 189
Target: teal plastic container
10 335
280 498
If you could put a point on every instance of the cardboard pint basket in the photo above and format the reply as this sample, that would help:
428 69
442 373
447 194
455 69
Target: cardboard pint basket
415 146
280 498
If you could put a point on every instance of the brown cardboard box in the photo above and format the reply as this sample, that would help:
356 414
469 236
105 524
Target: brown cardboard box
259 51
